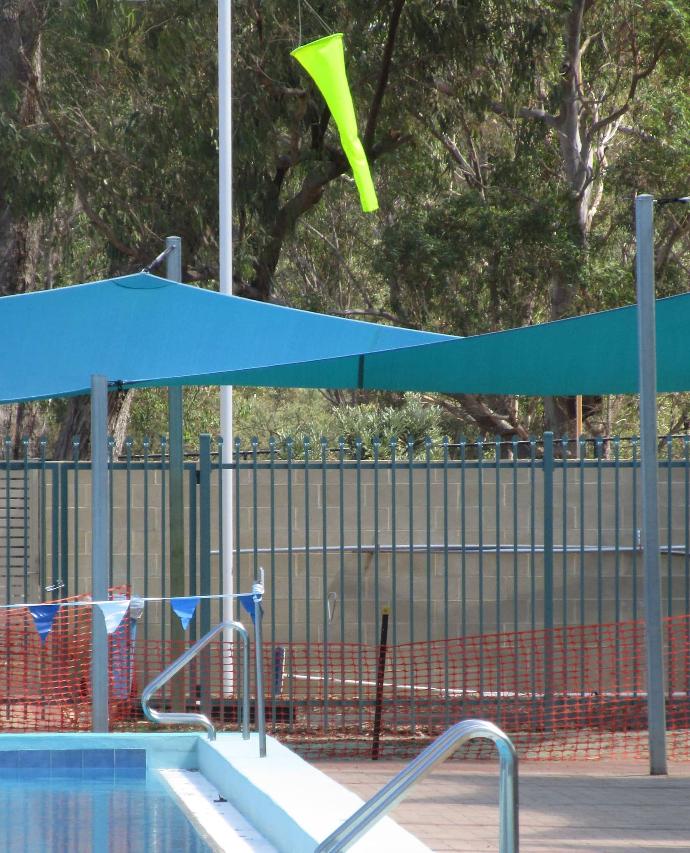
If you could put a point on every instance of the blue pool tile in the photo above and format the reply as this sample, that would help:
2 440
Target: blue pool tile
130 759
62 775
35 759
101 759
9 758
125 775
66 759
100 774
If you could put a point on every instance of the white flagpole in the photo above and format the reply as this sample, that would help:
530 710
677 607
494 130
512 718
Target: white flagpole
225 246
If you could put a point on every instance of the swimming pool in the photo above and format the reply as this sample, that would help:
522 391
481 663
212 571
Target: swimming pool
65 808
98 783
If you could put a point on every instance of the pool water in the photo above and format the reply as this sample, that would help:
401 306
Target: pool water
49 811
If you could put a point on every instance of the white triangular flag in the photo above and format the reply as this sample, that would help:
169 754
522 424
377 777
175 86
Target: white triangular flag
113 613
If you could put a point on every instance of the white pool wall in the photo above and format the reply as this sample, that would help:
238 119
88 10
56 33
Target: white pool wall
293 804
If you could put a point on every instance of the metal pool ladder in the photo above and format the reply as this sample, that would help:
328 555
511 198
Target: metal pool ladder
185 718
444 746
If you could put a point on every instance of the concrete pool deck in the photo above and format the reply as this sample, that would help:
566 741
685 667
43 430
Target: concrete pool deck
574 807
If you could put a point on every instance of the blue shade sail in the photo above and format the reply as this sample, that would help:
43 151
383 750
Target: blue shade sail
144 330
141 330
590 354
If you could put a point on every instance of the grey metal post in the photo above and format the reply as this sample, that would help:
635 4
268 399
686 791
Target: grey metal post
258 594
173 271
204 622
656 705
548 581
100 553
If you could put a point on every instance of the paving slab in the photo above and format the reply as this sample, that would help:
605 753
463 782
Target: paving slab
574 807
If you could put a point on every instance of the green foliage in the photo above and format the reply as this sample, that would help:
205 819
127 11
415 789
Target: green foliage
281 416
405 429
264 413
478 226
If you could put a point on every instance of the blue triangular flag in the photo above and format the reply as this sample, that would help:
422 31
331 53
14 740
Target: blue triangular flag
185 609
247 601
43 616
113 613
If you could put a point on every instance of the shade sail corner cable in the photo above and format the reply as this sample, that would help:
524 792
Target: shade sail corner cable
158 260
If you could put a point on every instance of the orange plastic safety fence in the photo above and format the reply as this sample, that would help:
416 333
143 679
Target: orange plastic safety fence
46 686
568 693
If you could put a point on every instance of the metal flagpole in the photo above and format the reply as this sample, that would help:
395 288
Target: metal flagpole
225 247
100 551
656 705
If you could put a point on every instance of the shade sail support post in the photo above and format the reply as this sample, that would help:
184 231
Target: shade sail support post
100 539
173 271
646 329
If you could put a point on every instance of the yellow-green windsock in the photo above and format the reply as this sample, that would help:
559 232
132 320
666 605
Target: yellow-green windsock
324 61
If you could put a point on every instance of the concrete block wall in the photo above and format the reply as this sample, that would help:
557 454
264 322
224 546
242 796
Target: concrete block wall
598 508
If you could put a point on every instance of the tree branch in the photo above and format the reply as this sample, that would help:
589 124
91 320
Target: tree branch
472 175
339 255
586 43
384 74
643 135
673 233
309 195
489 421
636 79
361 312
106 230
525 112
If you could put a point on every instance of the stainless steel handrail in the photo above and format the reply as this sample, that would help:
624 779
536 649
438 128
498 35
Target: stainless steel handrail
444 745
257 596
182 717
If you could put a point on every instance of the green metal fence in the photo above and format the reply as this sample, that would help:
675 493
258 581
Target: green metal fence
455 540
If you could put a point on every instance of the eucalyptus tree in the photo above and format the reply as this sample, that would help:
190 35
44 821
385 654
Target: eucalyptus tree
507 139
127 120
542 110
23 176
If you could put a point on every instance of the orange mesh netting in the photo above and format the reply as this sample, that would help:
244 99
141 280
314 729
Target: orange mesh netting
563 694
568 693
47 686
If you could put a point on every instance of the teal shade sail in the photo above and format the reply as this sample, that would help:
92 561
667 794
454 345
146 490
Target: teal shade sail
591 354
141 330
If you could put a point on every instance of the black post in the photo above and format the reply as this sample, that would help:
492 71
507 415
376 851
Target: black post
380 670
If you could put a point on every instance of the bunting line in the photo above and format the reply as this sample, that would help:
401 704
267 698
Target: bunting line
91 603
115 609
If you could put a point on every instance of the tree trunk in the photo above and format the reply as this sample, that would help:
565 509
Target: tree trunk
76 425
20 235
19 58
